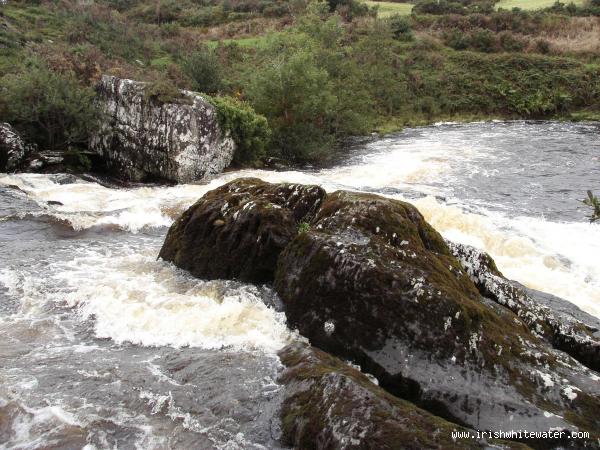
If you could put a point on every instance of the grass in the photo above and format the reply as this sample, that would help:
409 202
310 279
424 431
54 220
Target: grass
387 9
530 4
250 42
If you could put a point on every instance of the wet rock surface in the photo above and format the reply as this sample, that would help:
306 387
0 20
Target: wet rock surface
238 230
372 282
142 140
331 405
367 279
559 322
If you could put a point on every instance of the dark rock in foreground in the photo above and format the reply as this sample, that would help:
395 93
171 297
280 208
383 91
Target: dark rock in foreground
367 279
330 405
372 282
141 139
238 230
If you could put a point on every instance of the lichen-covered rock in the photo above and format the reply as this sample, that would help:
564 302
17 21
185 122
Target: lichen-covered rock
577 336
331 405
238 230
12 148
141 139
372 282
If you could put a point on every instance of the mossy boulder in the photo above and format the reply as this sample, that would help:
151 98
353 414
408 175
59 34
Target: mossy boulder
329 404
238 230
368 280
372 282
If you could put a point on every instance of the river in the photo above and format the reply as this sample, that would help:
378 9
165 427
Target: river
103 346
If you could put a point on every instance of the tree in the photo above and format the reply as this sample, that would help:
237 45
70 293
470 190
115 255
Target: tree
205 71
310 88
297 97
53 110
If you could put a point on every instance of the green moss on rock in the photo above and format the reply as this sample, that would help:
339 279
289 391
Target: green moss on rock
331 405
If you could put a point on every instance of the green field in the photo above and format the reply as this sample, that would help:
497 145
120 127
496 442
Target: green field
387 9
253 42
530 4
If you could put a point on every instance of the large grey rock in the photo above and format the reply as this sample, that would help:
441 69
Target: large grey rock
12 148
142 139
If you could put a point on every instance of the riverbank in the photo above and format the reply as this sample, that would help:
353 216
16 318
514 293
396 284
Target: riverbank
339 72
396 124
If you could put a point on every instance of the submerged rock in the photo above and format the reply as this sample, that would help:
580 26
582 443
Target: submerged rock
238 230
12 149
367 279
141 139
331 405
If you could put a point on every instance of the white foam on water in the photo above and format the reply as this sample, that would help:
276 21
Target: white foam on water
41 427
558 258
86 204
138 299
31 427
27 289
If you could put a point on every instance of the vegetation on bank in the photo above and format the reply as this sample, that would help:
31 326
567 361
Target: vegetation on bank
388 9
594 204
531 5
292 78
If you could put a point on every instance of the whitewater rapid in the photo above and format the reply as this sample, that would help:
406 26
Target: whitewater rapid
540 249
82 292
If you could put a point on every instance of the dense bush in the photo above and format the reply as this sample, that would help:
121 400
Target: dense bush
348 9
298 98
162 91
484 41
249 130
440 7
401 28
589 8
510 43
515 21
201 13
52 110
205 71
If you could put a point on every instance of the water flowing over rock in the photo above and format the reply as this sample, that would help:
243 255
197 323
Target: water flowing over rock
367 279
12 148
142 139
568 329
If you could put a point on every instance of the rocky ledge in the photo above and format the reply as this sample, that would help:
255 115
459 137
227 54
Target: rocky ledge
330 404
143 139
367 279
